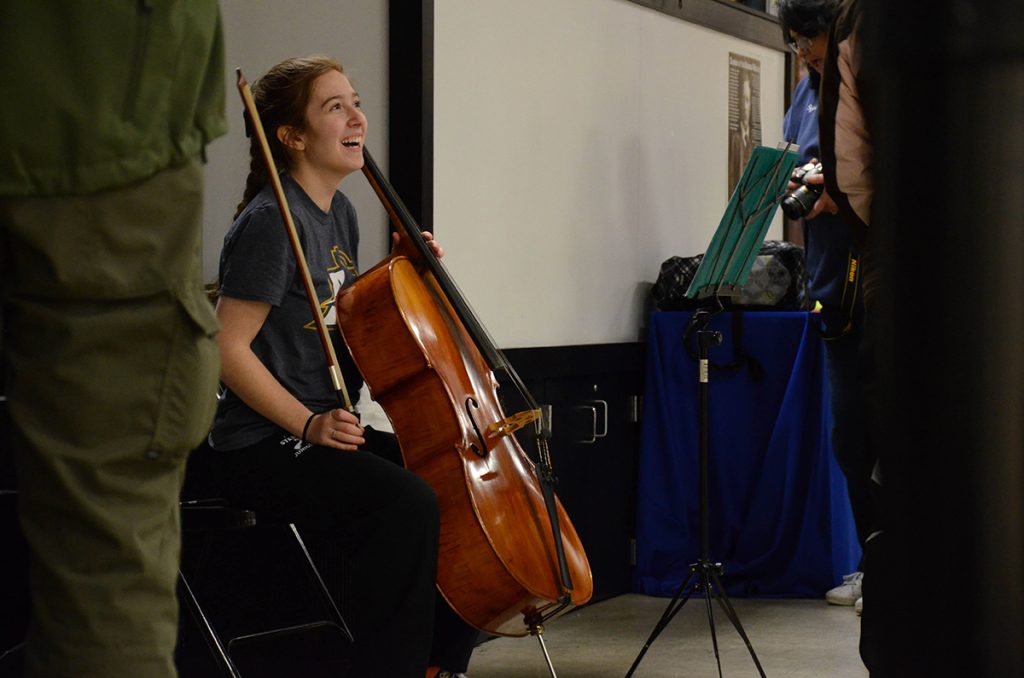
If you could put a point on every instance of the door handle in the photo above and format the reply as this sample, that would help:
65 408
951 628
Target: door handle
599 412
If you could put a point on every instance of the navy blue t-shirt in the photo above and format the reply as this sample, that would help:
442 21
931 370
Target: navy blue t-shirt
257 264
827 238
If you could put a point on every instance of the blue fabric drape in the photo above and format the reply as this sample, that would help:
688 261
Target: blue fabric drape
780 519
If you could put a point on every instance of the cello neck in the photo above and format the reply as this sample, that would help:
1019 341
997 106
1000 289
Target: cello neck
410 230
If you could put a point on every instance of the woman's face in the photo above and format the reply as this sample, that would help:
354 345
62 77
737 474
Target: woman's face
332 140
810 50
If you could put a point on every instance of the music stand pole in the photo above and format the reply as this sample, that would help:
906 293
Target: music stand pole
704 574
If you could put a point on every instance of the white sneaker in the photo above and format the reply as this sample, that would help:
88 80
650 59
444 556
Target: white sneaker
848 592
858 607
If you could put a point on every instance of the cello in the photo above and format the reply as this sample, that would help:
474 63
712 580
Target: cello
509 558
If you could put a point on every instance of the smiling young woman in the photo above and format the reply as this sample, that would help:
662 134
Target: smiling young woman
280 442
329 145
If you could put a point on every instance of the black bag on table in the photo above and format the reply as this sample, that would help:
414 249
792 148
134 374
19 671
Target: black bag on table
777 281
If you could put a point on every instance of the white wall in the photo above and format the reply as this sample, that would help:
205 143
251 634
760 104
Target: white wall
258 35
577 145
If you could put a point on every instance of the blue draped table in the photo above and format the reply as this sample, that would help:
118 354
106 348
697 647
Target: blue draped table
780 519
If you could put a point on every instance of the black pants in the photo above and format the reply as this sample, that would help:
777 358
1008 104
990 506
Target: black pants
386 520
850 439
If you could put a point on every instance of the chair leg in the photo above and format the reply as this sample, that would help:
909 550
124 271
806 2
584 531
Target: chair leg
315 573
255 652
213 641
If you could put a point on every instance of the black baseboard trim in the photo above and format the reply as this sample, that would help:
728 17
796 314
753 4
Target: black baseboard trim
577 361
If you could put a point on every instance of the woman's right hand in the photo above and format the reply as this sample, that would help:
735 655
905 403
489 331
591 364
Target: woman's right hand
824 203
336 428
793 184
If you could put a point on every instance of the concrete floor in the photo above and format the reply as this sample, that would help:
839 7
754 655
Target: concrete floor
792 639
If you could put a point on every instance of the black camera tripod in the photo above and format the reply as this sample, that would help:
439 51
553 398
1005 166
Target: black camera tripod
705 575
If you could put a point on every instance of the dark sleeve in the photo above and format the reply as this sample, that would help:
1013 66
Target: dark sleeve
257 263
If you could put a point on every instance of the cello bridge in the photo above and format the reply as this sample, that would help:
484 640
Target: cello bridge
513 423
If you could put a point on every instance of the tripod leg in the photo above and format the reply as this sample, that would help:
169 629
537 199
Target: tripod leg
730 612
666 620
708 592
666 617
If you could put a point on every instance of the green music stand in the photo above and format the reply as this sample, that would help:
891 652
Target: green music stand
722 272
730 256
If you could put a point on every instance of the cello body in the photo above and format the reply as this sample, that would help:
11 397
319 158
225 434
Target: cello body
497 561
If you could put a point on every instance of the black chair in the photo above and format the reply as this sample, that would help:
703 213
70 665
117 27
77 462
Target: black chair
258 602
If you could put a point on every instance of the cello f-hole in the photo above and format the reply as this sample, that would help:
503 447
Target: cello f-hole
481 449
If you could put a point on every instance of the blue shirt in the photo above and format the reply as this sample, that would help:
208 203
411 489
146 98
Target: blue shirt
827 239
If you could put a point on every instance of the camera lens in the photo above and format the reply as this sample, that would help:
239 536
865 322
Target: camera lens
798 203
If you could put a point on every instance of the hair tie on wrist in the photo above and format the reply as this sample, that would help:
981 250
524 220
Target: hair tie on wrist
305 429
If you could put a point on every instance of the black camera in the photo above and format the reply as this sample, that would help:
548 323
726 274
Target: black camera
798 202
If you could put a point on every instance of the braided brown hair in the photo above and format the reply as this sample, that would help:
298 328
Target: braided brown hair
281 96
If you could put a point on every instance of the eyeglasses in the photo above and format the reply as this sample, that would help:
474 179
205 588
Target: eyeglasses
800 42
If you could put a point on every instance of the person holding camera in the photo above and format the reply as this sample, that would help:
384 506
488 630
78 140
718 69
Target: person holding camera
833 272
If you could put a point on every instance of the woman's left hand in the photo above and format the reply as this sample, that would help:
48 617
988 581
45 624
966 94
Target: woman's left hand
428 236
824 203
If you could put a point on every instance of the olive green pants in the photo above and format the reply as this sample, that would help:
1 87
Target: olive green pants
111 381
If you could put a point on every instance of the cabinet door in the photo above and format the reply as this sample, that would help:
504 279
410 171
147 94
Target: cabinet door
593 447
